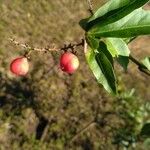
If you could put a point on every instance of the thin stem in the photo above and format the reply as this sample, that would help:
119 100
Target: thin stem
72 46
141 67
90 4
132 39
82 130
48 49
26 46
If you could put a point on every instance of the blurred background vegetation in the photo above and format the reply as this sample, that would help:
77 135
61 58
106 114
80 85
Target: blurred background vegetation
50 110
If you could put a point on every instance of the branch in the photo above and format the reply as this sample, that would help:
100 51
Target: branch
90 4
141 67
47 49
82 130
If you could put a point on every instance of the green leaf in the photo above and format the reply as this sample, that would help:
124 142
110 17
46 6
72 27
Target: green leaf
119 49
114 10
123 61
110 6
146 130
146 62
103 48
134 24
90 56
93 42
83 23
104 60
102 67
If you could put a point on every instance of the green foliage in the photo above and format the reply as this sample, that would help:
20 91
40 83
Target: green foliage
103 59
134 112
113 11
135 24
98 59
93 42
115 20
119 49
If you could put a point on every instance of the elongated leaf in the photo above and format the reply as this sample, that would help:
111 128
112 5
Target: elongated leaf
119 49
104 61
123 61
136 23
114 10
83 23
104 49
108 7
90 56
102 68
146 62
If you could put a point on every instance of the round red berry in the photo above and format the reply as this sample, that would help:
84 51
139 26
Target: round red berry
20 66
69 62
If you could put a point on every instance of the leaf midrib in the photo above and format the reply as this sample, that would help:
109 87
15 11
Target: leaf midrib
108 31
117 13
104 72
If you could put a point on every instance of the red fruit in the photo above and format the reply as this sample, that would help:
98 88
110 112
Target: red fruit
69 62
19 66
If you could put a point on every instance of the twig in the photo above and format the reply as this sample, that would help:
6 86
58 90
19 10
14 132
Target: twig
141 67
82 130
95 121
90 4
48 49
26 46
132 39
45 131
72 46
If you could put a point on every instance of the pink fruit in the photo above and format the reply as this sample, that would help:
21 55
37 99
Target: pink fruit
19 66
69 62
